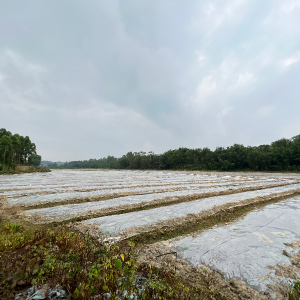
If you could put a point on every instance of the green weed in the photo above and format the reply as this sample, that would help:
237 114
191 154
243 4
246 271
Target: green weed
294 294
82 265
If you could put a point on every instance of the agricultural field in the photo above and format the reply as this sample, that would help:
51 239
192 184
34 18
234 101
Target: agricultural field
243 225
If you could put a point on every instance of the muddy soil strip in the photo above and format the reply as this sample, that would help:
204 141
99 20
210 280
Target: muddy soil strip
122 209
166 184
17 189
96 181
75 200
194 224
53 203
92 189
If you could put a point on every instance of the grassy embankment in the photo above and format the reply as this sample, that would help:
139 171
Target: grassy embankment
4 170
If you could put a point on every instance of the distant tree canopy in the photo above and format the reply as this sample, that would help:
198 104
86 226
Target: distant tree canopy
281 155
17 149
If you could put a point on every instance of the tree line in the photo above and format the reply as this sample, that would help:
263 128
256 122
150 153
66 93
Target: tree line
281 155
17 150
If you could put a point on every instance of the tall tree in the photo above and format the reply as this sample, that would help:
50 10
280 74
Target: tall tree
16 147
5 148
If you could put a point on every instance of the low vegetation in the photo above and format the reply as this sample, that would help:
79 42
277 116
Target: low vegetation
281 155
295 292
86 267
8 170
83 266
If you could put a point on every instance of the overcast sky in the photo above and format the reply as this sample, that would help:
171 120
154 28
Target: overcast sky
87 79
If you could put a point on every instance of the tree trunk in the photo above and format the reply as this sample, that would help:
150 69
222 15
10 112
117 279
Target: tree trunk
4 156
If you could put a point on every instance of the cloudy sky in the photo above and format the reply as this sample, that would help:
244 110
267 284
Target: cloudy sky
87 79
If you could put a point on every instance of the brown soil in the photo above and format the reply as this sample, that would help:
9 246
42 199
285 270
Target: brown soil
196 217
145 205
123 194
291 271
58 191
24 168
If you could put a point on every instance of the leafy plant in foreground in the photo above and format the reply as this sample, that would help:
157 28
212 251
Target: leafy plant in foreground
83 266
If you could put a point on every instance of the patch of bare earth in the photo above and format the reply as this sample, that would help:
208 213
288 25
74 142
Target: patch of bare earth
201 277
291 271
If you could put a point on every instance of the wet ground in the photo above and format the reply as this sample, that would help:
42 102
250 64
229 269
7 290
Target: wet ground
132 202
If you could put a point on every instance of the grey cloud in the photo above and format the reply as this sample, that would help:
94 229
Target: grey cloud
97 78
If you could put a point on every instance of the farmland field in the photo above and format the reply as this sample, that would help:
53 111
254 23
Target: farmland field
245 225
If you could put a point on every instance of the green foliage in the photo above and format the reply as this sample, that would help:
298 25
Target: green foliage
16 150
11 227
3 132
6 149
281 155
82 265
35 160
294 294
12 236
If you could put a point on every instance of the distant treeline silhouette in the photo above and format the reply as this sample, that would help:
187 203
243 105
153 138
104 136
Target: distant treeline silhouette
281 155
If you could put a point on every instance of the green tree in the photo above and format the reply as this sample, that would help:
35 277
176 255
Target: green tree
35 160
124 162
295 148
28 148
281 153
6 149
16 147
3 132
